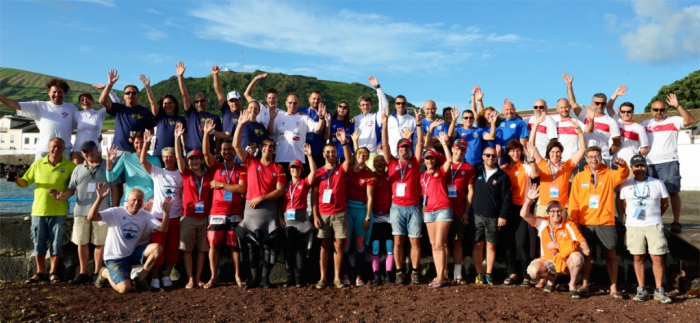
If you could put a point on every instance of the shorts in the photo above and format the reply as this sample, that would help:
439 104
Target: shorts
444 215
381 232
86 231
120 269
334 226
406 220
219 233
193 231
169 241
669 173
52 228
637 239
551 268
456 232
483 228
603 235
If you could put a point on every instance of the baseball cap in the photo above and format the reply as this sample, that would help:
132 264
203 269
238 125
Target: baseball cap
194 153
461 143
430 153
296 163
87 144
404 142
638 160
233 95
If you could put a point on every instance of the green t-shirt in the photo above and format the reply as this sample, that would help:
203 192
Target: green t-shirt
47 177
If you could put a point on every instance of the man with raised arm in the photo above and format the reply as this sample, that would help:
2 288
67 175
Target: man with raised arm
367 122
125 226
547 129
230 104
475 137
330 208
663 152
54 118
398 121
567 135
405 214
196 115
633 137
270 97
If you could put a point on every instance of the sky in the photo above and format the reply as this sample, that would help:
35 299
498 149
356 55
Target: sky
435 50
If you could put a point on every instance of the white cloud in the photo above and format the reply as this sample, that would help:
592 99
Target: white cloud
108 3
154 34
610 22
663 32
153 11
345 38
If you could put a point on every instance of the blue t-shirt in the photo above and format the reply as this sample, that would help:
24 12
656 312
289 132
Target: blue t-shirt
511 129
492 143
335 124
134 173
195 126
229 119
425 125
475 143
316 140
165 135
128 119
252 132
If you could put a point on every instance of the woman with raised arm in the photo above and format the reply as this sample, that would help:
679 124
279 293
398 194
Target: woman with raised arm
130 166
340 119
516 236
166 182
260 227
166 113
295 218
88 125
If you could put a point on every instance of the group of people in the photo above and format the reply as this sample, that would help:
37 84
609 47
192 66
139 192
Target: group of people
543 191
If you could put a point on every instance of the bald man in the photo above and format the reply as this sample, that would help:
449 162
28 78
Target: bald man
547 130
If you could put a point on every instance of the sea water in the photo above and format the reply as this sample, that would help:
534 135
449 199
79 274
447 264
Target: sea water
10 190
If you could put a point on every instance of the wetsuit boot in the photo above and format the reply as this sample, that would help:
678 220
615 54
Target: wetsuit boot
254 256
266 267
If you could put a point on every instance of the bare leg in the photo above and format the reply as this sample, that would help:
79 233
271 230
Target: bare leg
236 258
323 259
99 257
54 263
201 256
152 253
398 252
490 257
214 253
585 272
574 263
478 255
415 252
639 268
187 259
338 257
658 267
611 264
83 258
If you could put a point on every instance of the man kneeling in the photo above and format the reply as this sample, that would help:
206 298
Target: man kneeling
562 245
125 227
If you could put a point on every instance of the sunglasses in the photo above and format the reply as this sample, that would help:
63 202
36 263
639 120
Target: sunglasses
658 110
400 103
342 107
467 118
131 93
490 155
538 107
200 101
600 103
625 111
362 153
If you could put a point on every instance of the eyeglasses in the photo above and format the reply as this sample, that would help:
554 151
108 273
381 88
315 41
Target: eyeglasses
131 93
490 155
400 103
594 157
600 103
362 153
200 101
555 211
625 111
342 107
658 110
539 107
467 118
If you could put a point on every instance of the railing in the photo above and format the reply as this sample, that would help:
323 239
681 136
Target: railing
3 129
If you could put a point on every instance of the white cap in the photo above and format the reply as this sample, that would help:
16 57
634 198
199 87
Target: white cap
233 95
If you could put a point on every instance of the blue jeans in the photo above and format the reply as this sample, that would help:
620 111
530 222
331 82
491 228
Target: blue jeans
406 220
52 228
120 269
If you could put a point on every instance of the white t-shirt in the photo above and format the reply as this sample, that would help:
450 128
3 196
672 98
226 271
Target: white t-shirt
663 139
52 121
291 135
366 124
546 131
396 125
604 129
125 230
89 126
264 115
166 183
567 137
632 138
647 198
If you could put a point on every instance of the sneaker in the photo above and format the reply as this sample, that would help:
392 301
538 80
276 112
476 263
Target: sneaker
155 283
359 282
488 280
479 279
167 282
377 279
80 279
346 281
642 295
415 277
660 295
321 284
338 283
399 277
100 281
141 285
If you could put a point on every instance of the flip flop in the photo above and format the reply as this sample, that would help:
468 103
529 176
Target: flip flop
200 284
510 281
209 285
617 295
37 278
437 285
548 288
574 294
240 283
541 283
189 285
526 283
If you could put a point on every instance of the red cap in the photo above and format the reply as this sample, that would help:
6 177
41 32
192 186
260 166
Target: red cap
461 143
430 153
404 142
194 153
296 163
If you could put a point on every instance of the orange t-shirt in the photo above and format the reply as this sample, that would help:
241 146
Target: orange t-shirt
567 237
581 210
519 180
554 183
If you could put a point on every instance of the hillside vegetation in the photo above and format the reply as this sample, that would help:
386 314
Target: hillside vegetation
686 89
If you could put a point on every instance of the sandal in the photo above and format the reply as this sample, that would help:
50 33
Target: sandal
200 284
437 285
676 227
526 283
460 280
240 283
189 285
209 285
548 288
617 295
510 281
38 277
574 294
54 278
541 283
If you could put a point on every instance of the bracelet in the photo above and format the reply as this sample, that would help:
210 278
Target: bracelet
345 144
366 220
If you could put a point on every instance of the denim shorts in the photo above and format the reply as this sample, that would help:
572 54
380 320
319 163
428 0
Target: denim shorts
120 269
52 228
444 215
669 173
406 220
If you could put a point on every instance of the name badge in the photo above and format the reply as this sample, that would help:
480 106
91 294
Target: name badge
593 202
217 219
637 213
401 189
553 191
228 196
327 193
290 214
91 188
234 218
451 191
199 207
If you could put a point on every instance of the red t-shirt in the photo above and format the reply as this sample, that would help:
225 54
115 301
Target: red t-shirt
434 188
335 181
262 179
190 192
381 201
357 184
301 191
411 179
461 176
231 176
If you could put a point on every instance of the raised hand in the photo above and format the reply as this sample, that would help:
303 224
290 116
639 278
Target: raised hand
215 69
590 113
321 110
672 100
355 136
307 150
273 113
209 126
436 124
419 116
476 87
530 151
98 86
506 101
575 124
145 80
244 117
620 162
455 114
443 138
179 130
147 136
541 118
567 79
260 76
373 81
112 152
167 203
407 132
102 189
534 192
340 135
180 68
621 90
112 76
493 117
478 94
328 117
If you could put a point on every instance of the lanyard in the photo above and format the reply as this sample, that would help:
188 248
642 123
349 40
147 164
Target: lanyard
455 171
423 181
595 182
199 185
640 195
329 177
402 169
553 172
228 175
551 233
94 170
291 192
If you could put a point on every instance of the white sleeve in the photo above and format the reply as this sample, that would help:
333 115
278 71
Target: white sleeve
551 128
152 223
30 109
310 123
614 128
623 190
108 216
383 103
643 137
102 114
662 187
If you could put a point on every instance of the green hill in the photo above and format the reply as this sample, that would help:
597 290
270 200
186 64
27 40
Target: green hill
686 89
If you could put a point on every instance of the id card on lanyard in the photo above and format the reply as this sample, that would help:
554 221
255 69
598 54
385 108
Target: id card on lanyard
452 189
290 213
594 199
228 195
553 188
328 192
199 205
401 187
425 186
92 172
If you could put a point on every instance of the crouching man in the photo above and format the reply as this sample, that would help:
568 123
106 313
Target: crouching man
125 227
562 245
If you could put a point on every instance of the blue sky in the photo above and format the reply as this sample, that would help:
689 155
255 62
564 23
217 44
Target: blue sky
423 49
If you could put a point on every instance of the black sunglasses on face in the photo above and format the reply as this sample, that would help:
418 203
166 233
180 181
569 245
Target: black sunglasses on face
601 103
200 101
658 110
538 107
400 103
625 111
131 93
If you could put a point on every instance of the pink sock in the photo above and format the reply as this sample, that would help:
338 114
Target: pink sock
389 263
375 263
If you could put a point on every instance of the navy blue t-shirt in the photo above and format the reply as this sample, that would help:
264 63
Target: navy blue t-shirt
195 126
229 119
252 132
128 119
335 124
165 133
316 140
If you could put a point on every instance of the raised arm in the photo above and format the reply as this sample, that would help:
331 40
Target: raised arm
381 96
479 96
621 91
672 101
151 98
271 123
385 137
112 96
12 104
419 144
143 154
181 163
208 157
532 194
218 88
238 134
491 135
455 116
355 136
445 142
530 151
186 100
590 115
102 190
112 77
340 135
249 90
321 117
327 130
533 135
167 204
312 165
